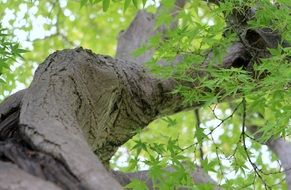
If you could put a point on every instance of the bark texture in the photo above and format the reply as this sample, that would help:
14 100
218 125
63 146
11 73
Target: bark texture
79 97
81 104
78 104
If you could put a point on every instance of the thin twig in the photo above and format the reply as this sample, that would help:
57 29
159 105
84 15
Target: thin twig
243 136
197 115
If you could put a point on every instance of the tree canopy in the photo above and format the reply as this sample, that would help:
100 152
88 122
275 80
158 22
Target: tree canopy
234 112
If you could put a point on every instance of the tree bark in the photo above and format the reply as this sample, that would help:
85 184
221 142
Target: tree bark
80 105
77 104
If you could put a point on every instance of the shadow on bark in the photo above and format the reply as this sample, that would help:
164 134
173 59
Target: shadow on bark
18 151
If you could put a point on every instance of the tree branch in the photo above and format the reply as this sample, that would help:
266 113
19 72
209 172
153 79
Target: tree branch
282 149
198 176
141 29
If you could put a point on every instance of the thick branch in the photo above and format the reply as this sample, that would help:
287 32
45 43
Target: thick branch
64 109
81 102
78 97
141 29
282 149
198 176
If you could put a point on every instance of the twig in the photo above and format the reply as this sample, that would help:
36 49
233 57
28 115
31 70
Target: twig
197 115
223 120
243 136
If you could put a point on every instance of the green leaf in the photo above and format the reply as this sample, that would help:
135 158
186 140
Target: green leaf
139 146
106 4
136 184
126 4
83 3
171 122
135 3
209 165
144 3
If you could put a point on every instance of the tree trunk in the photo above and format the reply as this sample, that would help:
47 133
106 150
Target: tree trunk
78 104
61 132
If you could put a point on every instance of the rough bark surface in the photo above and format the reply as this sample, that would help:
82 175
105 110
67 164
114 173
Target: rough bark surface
79 97
80 105
12 177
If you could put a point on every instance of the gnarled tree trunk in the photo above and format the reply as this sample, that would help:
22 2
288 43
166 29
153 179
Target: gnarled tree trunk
78 104
61 132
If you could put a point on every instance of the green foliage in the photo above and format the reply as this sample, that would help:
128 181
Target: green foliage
230 154
106 3
137 184
9 51
215 140
60 24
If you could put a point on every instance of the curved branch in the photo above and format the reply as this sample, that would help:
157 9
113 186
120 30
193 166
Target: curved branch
198 176
282 149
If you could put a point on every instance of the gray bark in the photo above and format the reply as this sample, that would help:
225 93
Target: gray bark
12 177
141 29
80 105
282 149
78 97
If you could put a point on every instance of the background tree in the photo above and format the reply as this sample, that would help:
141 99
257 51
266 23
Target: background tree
227 63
